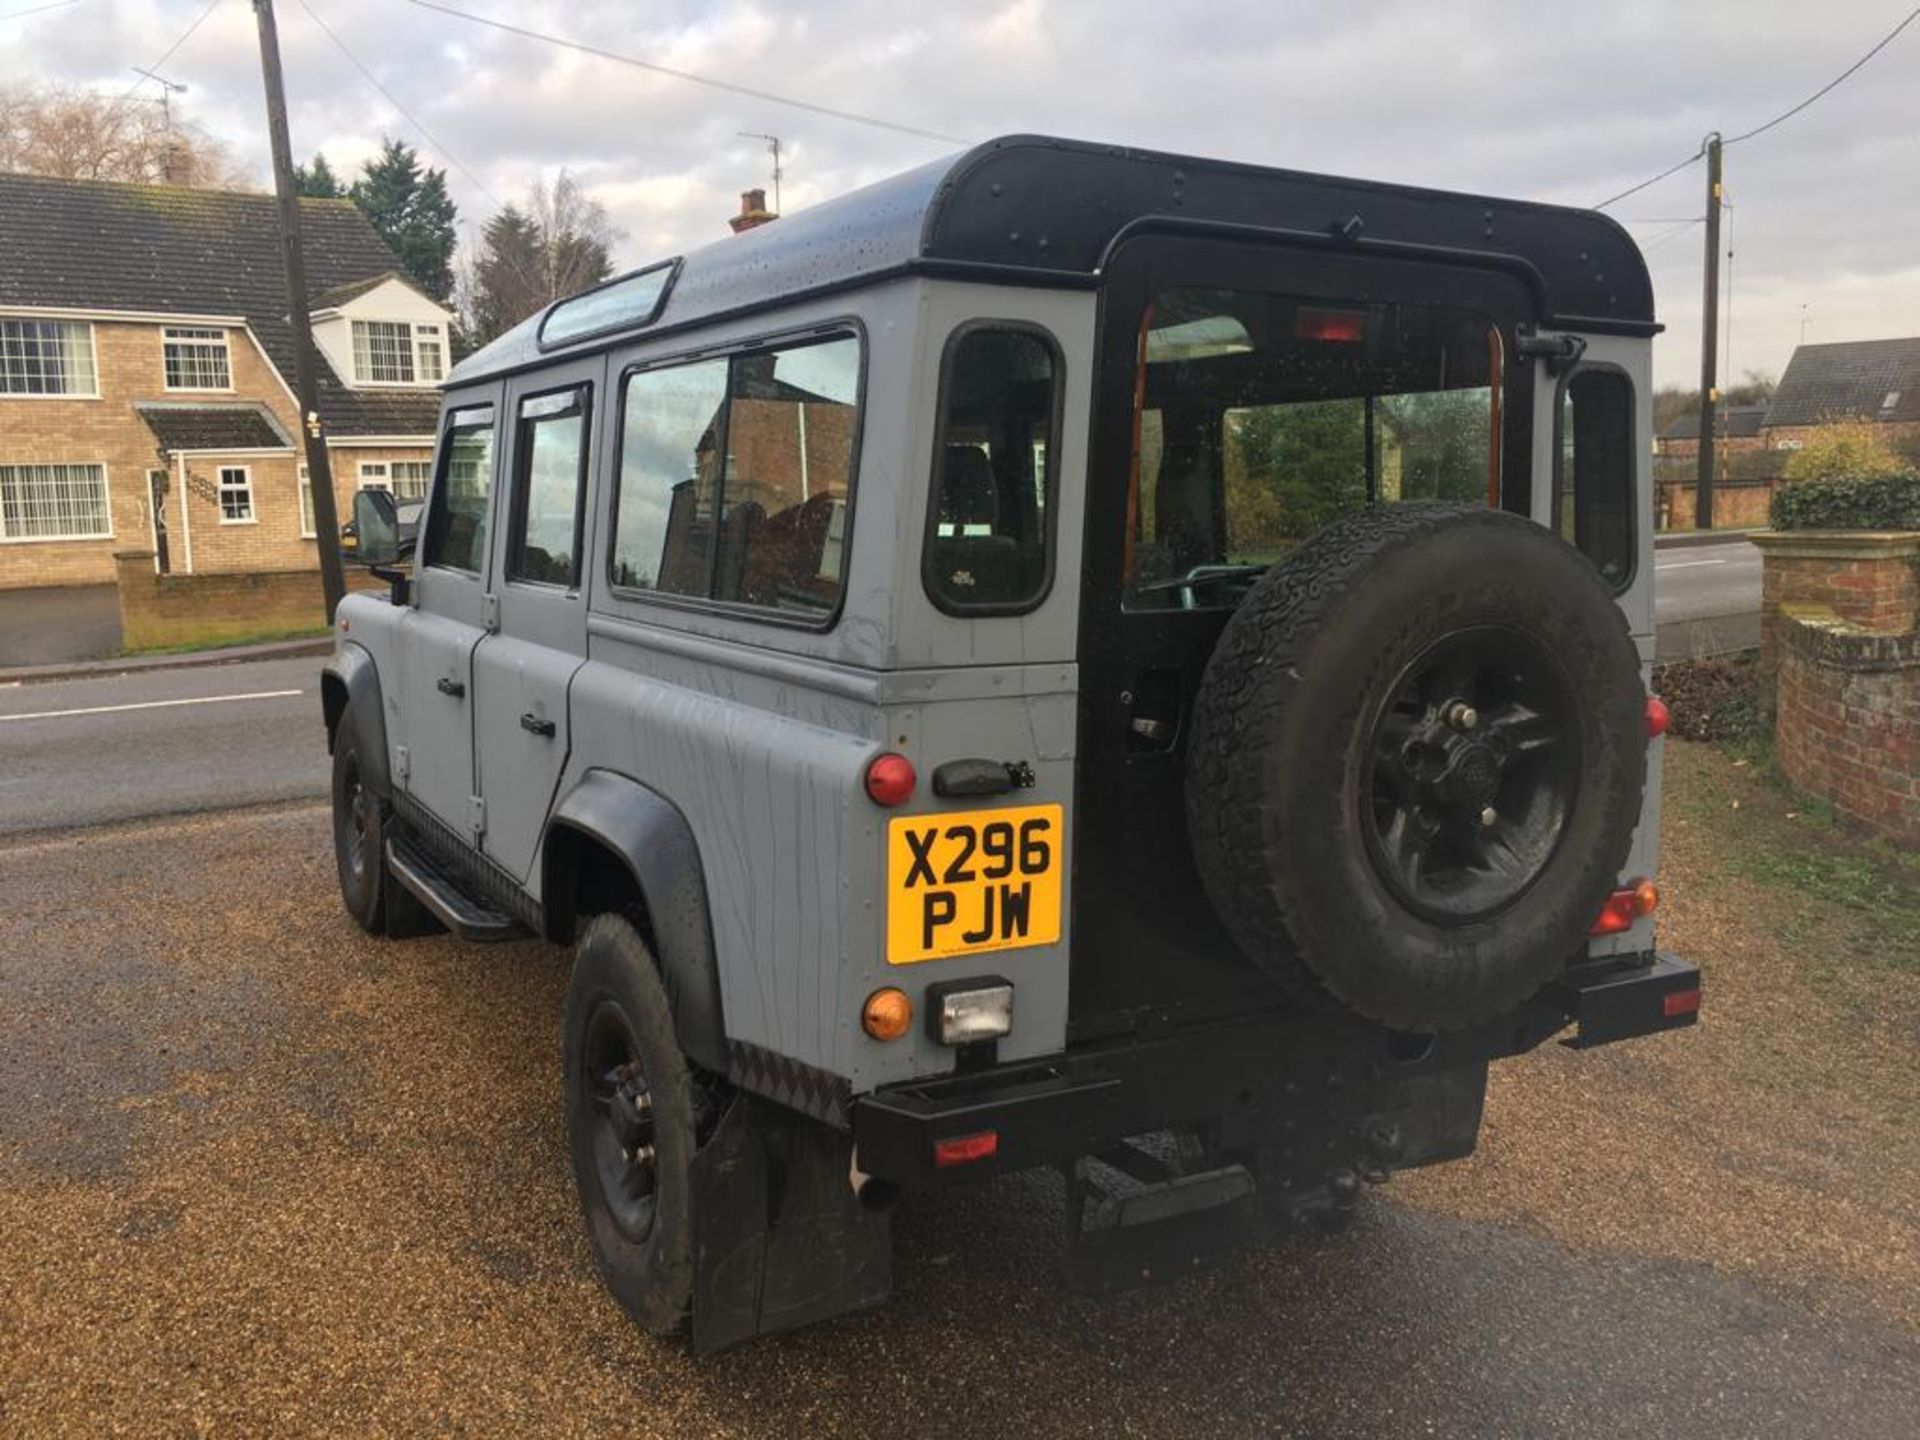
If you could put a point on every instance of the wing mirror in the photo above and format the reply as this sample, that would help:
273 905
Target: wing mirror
377 538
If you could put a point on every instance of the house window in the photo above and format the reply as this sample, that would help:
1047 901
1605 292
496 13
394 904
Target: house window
373 475
383 352
197 359
54 502
426 340
410 479
46 357
307 530
236 495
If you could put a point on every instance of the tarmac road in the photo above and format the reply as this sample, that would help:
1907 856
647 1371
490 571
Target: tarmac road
160 742
1707 598
261 1173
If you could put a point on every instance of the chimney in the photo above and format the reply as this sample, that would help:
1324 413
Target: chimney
753 211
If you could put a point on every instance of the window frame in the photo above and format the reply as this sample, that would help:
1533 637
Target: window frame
439 337
437 492
225 342
523 428
220 487
303 491
106 501
93 359
1634 484
817 333
935 470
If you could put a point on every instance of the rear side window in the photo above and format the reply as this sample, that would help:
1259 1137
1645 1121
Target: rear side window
989 536
549 468
457 520
736 475
1593 484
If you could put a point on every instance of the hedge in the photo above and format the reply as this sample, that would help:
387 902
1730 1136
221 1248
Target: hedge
1849 502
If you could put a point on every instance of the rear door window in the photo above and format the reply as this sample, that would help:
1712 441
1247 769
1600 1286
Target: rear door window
549 475
1593 483
1263 417
989 541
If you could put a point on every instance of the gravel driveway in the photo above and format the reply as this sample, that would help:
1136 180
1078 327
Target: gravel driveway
261 1174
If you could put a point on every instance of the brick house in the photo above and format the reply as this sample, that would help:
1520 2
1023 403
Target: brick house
145 378
1877 381
1737 429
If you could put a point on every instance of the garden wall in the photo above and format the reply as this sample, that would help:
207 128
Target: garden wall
158 611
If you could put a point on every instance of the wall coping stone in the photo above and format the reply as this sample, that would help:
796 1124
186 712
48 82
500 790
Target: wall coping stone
1840 544
133 554
1815 633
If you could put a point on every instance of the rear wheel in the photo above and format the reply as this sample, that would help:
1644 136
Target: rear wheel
1416 763
630 1101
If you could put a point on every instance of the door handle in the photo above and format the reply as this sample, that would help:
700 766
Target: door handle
450 687
534 725
960 778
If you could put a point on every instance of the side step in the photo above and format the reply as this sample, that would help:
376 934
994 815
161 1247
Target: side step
460 912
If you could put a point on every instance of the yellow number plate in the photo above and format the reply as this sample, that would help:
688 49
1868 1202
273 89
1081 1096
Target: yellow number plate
961 884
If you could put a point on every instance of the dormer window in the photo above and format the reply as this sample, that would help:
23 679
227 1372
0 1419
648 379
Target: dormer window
396 352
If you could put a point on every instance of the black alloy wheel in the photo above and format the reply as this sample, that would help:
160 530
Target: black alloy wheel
626 1164
1475 768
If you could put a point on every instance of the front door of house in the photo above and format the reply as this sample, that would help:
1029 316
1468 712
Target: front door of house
157 497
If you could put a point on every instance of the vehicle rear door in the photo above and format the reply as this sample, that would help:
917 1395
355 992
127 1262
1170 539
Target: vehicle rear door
1173 490
451 612
523 669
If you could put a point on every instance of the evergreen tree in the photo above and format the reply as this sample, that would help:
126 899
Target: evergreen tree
317 181
410 208
557 245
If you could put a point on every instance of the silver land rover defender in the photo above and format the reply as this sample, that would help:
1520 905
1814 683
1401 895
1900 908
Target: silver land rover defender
1068 657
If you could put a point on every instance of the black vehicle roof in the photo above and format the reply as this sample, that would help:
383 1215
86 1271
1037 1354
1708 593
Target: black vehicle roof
1027 209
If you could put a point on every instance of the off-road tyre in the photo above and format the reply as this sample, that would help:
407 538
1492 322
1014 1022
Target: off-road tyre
1277 781
359 833
650 1274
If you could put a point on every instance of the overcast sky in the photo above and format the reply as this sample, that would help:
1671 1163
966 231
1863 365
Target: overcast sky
1560 103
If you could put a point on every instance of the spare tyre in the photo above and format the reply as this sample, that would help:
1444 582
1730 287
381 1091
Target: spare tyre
1416 762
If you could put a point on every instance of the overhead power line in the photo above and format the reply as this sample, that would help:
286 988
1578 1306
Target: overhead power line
849 115
1783 116
37 9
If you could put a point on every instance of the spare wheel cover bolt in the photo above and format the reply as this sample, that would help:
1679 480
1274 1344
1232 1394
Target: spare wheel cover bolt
1489 816
1462 716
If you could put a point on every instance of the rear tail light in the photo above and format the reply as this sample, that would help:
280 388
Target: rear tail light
965 1149
890 780
1680 1002
1658 717
1625 906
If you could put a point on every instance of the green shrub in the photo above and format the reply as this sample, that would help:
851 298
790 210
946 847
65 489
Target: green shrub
1849 502
1843 448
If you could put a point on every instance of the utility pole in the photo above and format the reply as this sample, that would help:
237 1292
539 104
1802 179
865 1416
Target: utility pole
326 520
1709 344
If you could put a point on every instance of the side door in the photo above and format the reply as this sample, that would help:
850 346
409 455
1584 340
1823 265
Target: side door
521 672
451 611
1246 395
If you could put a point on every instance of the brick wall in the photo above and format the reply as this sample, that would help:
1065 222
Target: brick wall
1847 723
129 361
158 611
1737 504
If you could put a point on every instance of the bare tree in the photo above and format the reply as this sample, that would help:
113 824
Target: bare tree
558 243
74 134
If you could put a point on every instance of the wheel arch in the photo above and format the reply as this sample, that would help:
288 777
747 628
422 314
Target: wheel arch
613 842
350 686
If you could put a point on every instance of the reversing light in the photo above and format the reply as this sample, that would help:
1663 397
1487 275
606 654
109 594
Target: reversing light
887 1015
965 1149
1658 717
890 780
959 1014
1624 906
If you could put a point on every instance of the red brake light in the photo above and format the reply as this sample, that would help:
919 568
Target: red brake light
963 1149
890 780
1342 327
1618 914
1657 717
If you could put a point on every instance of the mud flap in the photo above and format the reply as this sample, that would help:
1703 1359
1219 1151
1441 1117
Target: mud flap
780 1240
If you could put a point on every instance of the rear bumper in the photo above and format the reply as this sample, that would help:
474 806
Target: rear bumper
1268 1071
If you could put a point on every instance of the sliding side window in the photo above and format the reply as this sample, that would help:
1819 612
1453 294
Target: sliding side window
989 542
1593 486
